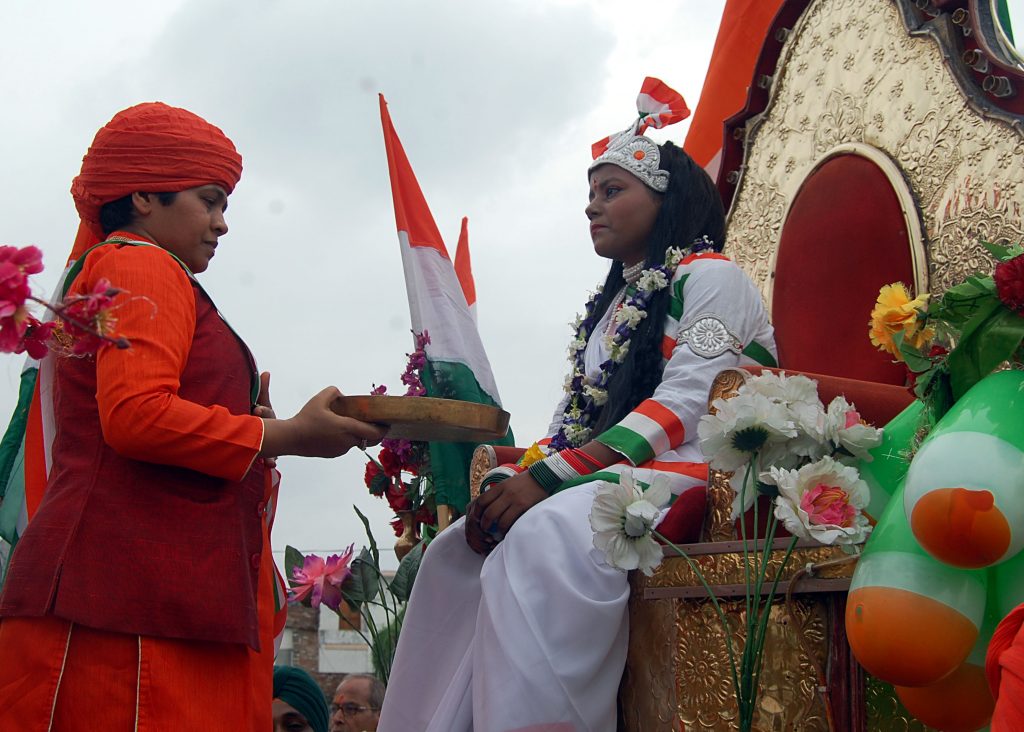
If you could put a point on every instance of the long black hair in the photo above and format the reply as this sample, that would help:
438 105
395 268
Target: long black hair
691 208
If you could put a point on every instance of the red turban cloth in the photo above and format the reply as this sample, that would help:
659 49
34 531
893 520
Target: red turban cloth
155 148
1004 667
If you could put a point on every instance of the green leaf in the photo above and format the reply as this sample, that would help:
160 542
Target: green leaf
369 537
292 558
363 584
999 251
986 344
401 584
379 483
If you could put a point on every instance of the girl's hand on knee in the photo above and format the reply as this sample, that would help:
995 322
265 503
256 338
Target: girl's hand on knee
503 503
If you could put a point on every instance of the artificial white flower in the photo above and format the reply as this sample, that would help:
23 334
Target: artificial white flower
623 517
785 388
844 427
577 434
673 257
576 344
799 395
631 315
616 351
745 424
600 396
652 280
824 501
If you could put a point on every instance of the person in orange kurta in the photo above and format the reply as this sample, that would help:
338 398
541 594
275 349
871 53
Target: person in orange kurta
138 597
1004 666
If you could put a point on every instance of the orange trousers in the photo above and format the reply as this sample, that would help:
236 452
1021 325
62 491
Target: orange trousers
68 678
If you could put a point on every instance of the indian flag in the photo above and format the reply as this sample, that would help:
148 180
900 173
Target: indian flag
442 301
737 47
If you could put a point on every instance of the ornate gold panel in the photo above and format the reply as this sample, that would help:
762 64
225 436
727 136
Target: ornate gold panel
678 669
851 73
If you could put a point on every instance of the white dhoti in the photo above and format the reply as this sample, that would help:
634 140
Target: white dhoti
531 638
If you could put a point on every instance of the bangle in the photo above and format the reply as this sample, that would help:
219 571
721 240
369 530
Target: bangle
545 476
498 474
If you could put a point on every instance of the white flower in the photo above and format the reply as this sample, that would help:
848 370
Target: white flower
631 315
799 395
600 396
616 351
745 424
824 501
844 427
652 280
576 344
788 389
577 434
673 257
623 517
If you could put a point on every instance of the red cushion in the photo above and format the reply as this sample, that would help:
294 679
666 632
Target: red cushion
685 518
844 237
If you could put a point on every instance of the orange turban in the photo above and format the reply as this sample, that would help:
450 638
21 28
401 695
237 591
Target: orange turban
155 148
1004 667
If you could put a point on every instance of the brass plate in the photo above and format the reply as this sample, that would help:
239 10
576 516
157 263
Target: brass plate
426 418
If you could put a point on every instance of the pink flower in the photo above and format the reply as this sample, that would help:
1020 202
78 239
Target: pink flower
15 267
87 319
27 259
37 337
823 501
828 505
321 580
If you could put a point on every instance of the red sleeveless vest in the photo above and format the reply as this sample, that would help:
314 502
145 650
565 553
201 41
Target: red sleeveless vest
134 547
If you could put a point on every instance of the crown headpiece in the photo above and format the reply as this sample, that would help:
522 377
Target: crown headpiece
658 106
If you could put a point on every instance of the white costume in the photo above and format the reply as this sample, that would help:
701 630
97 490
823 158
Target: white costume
533 637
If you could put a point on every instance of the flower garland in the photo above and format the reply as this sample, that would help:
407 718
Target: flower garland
587 396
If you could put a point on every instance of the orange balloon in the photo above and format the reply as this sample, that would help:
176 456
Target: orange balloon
961 702
905 638
961 527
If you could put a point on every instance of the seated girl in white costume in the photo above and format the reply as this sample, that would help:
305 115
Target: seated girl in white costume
516 622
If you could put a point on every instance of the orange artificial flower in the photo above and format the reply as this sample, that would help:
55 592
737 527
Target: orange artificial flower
895 312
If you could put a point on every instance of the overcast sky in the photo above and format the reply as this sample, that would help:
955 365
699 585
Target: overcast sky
496 103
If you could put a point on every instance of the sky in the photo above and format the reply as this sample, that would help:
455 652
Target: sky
496 103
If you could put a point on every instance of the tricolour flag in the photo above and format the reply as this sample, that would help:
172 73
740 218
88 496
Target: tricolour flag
737 47
440 299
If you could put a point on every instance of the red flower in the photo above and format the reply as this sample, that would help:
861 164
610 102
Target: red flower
397 498
1009 277
391 462
37 337
88 318
15 267
397 526
372 471
426 516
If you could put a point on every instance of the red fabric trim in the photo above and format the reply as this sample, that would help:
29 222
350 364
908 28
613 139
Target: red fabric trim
665 417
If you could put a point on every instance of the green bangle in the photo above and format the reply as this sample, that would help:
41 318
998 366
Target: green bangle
545 477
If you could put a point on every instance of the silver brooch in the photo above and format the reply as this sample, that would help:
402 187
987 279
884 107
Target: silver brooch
708 337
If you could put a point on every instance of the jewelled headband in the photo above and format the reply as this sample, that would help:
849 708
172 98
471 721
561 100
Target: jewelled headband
658 106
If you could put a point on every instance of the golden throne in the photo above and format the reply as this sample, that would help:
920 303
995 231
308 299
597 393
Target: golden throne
880 141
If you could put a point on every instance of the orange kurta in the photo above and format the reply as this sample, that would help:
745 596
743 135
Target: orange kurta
82 676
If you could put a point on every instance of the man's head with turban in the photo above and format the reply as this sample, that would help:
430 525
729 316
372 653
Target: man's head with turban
155 148
300 694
